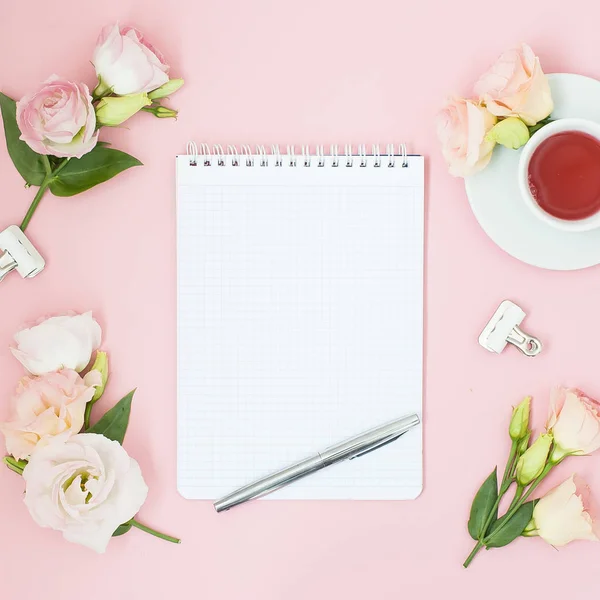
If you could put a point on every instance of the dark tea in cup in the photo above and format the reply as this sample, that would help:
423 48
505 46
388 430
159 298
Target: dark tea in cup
564 175
559 174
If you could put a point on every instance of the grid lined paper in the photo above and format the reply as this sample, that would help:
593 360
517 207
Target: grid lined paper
300 323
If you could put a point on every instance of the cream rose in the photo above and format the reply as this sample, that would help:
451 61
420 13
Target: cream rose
575 423
48 406
85 487
516 86
58 342
562 515
462 127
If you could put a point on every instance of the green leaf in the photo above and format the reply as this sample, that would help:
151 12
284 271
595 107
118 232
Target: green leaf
482 505
30 164
513 529
97 166
540 124
122 529
113 424
18 466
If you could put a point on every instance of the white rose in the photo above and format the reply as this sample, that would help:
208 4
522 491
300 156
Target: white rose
127 63
562 515
85 487
58 343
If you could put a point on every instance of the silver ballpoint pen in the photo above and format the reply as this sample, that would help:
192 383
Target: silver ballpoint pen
346 450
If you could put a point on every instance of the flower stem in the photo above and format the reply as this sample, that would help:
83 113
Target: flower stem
476 549
42 190
504 484
518 494
510 465
101 90
516 505
155 533
87 415
539 125
36 200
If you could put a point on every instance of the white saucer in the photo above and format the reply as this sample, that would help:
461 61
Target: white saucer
496 200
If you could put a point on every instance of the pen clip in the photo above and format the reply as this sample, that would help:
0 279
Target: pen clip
378 445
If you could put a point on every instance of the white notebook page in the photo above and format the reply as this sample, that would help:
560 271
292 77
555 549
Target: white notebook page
300 323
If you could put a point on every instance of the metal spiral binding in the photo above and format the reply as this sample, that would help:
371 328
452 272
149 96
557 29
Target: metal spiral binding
218 156
192 152
335 159
235 157
306 156
264 158
320 154
247 151
292 155
390 155
348 153
205 149
376 154
362 154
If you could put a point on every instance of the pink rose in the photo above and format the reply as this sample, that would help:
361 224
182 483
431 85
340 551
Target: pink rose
516 86
46 407
462 127
575 423
563 515
127 63
58 119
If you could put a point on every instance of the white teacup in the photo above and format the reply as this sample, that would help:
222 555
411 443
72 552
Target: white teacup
583 125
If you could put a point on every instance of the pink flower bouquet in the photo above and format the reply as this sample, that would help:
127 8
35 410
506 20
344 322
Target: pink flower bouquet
52 135
510 102
564 514
78 478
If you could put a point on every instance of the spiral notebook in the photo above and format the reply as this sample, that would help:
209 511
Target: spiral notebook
300 316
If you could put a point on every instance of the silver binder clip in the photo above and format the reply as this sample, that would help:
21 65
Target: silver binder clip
503 328
17 253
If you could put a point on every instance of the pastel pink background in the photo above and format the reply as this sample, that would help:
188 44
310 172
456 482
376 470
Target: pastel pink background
313 71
